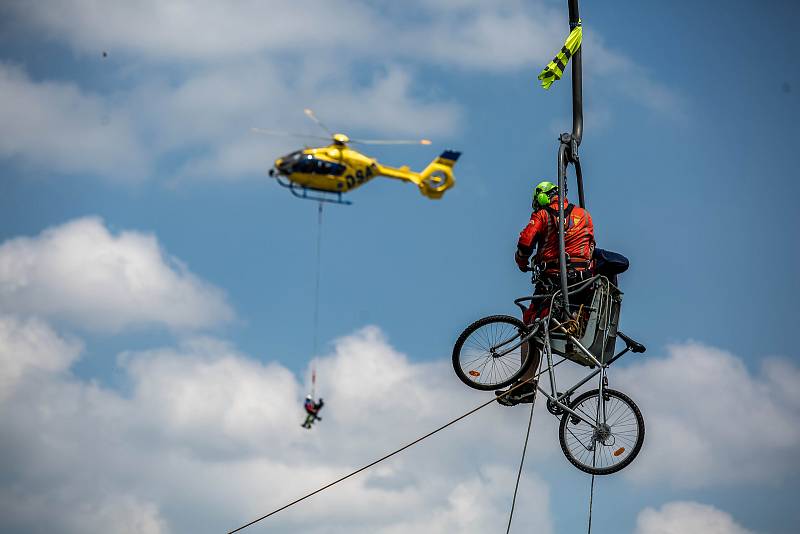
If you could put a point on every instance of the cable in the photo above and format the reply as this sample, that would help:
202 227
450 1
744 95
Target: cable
591 498
522 461
594 461
594 464
429 434
316 302
316 288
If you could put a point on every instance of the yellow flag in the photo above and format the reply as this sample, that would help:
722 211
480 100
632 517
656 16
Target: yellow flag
555 69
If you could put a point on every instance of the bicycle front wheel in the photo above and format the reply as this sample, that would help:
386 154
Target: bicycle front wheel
612 442
489 353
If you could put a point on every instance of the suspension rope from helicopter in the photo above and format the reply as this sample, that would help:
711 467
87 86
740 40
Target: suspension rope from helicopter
389 455
521 462
316 300
316 284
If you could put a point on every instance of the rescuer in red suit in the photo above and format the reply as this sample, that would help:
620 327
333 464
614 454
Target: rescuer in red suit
541 234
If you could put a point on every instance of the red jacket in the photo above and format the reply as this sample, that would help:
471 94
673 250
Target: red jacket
542 232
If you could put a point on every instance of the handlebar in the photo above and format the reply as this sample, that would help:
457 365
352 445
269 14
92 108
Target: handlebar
520 300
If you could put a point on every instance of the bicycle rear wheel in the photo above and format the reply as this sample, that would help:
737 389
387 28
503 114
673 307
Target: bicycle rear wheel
488 354
612 446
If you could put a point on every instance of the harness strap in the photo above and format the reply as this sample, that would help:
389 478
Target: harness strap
567 213
571 264
542 239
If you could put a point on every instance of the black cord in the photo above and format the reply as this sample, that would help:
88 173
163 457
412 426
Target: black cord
591 498
316 287
522 460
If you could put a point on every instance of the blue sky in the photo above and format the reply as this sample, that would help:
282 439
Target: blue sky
143 250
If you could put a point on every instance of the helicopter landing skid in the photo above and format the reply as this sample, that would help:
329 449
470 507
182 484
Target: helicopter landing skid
303 192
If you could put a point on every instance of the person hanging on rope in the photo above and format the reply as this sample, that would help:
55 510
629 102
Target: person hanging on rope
312 409
541 233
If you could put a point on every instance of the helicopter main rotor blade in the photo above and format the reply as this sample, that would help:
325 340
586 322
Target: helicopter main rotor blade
310 115
391 141
286 134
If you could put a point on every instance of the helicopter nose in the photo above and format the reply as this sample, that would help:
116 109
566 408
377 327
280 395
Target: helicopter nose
271 172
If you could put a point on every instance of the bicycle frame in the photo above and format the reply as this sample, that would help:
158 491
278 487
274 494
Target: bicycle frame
544 324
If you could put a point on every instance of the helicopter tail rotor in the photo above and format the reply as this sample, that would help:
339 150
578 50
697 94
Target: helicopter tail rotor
437 177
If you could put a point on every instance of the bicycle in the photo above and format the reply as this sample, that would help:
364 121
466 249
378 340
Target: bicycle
598 438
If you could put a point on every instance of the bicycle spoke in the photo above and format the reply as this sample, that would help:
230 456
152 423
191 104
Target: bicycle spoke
479 356
616 407
621 434
578 439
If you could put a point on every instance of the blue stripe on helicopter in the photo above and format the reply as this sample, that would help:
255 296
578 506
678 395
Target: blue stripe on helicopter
452 155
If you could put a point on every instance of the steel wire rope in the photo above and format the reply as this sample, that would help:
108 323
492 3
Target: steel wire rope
316 302
591 498
379 460
316 286
594 460
521 462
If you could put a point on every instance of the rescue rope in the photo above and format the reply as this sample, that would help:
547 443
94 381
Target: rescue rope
379 460
316 303
522 461
316 287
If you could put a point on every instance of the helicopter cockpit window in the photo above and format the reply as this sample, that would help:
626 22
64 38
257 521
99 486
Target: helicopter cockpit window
294 156
310 165
288 161
327 167
304 165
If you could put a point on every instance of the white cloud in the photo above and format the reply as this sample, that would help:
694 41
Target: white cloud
687 517
203 30
493 35
209 439
710 421
216 109
387 101
31 346
204 385
82 273
121 514
56 126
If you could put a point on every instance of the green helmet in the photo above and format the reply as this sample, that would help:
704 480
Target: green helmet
543 194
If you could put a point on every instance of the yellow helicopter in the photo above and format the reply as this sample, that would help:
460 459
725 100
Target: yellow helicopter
335 169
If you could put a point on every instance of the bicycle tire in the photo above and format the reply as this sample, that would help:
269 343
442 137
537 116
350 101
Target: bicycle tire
636 445
507 372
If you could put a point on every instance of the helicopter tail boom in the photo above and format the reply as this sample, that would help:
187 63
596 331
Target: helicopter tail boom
437 177
433 181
